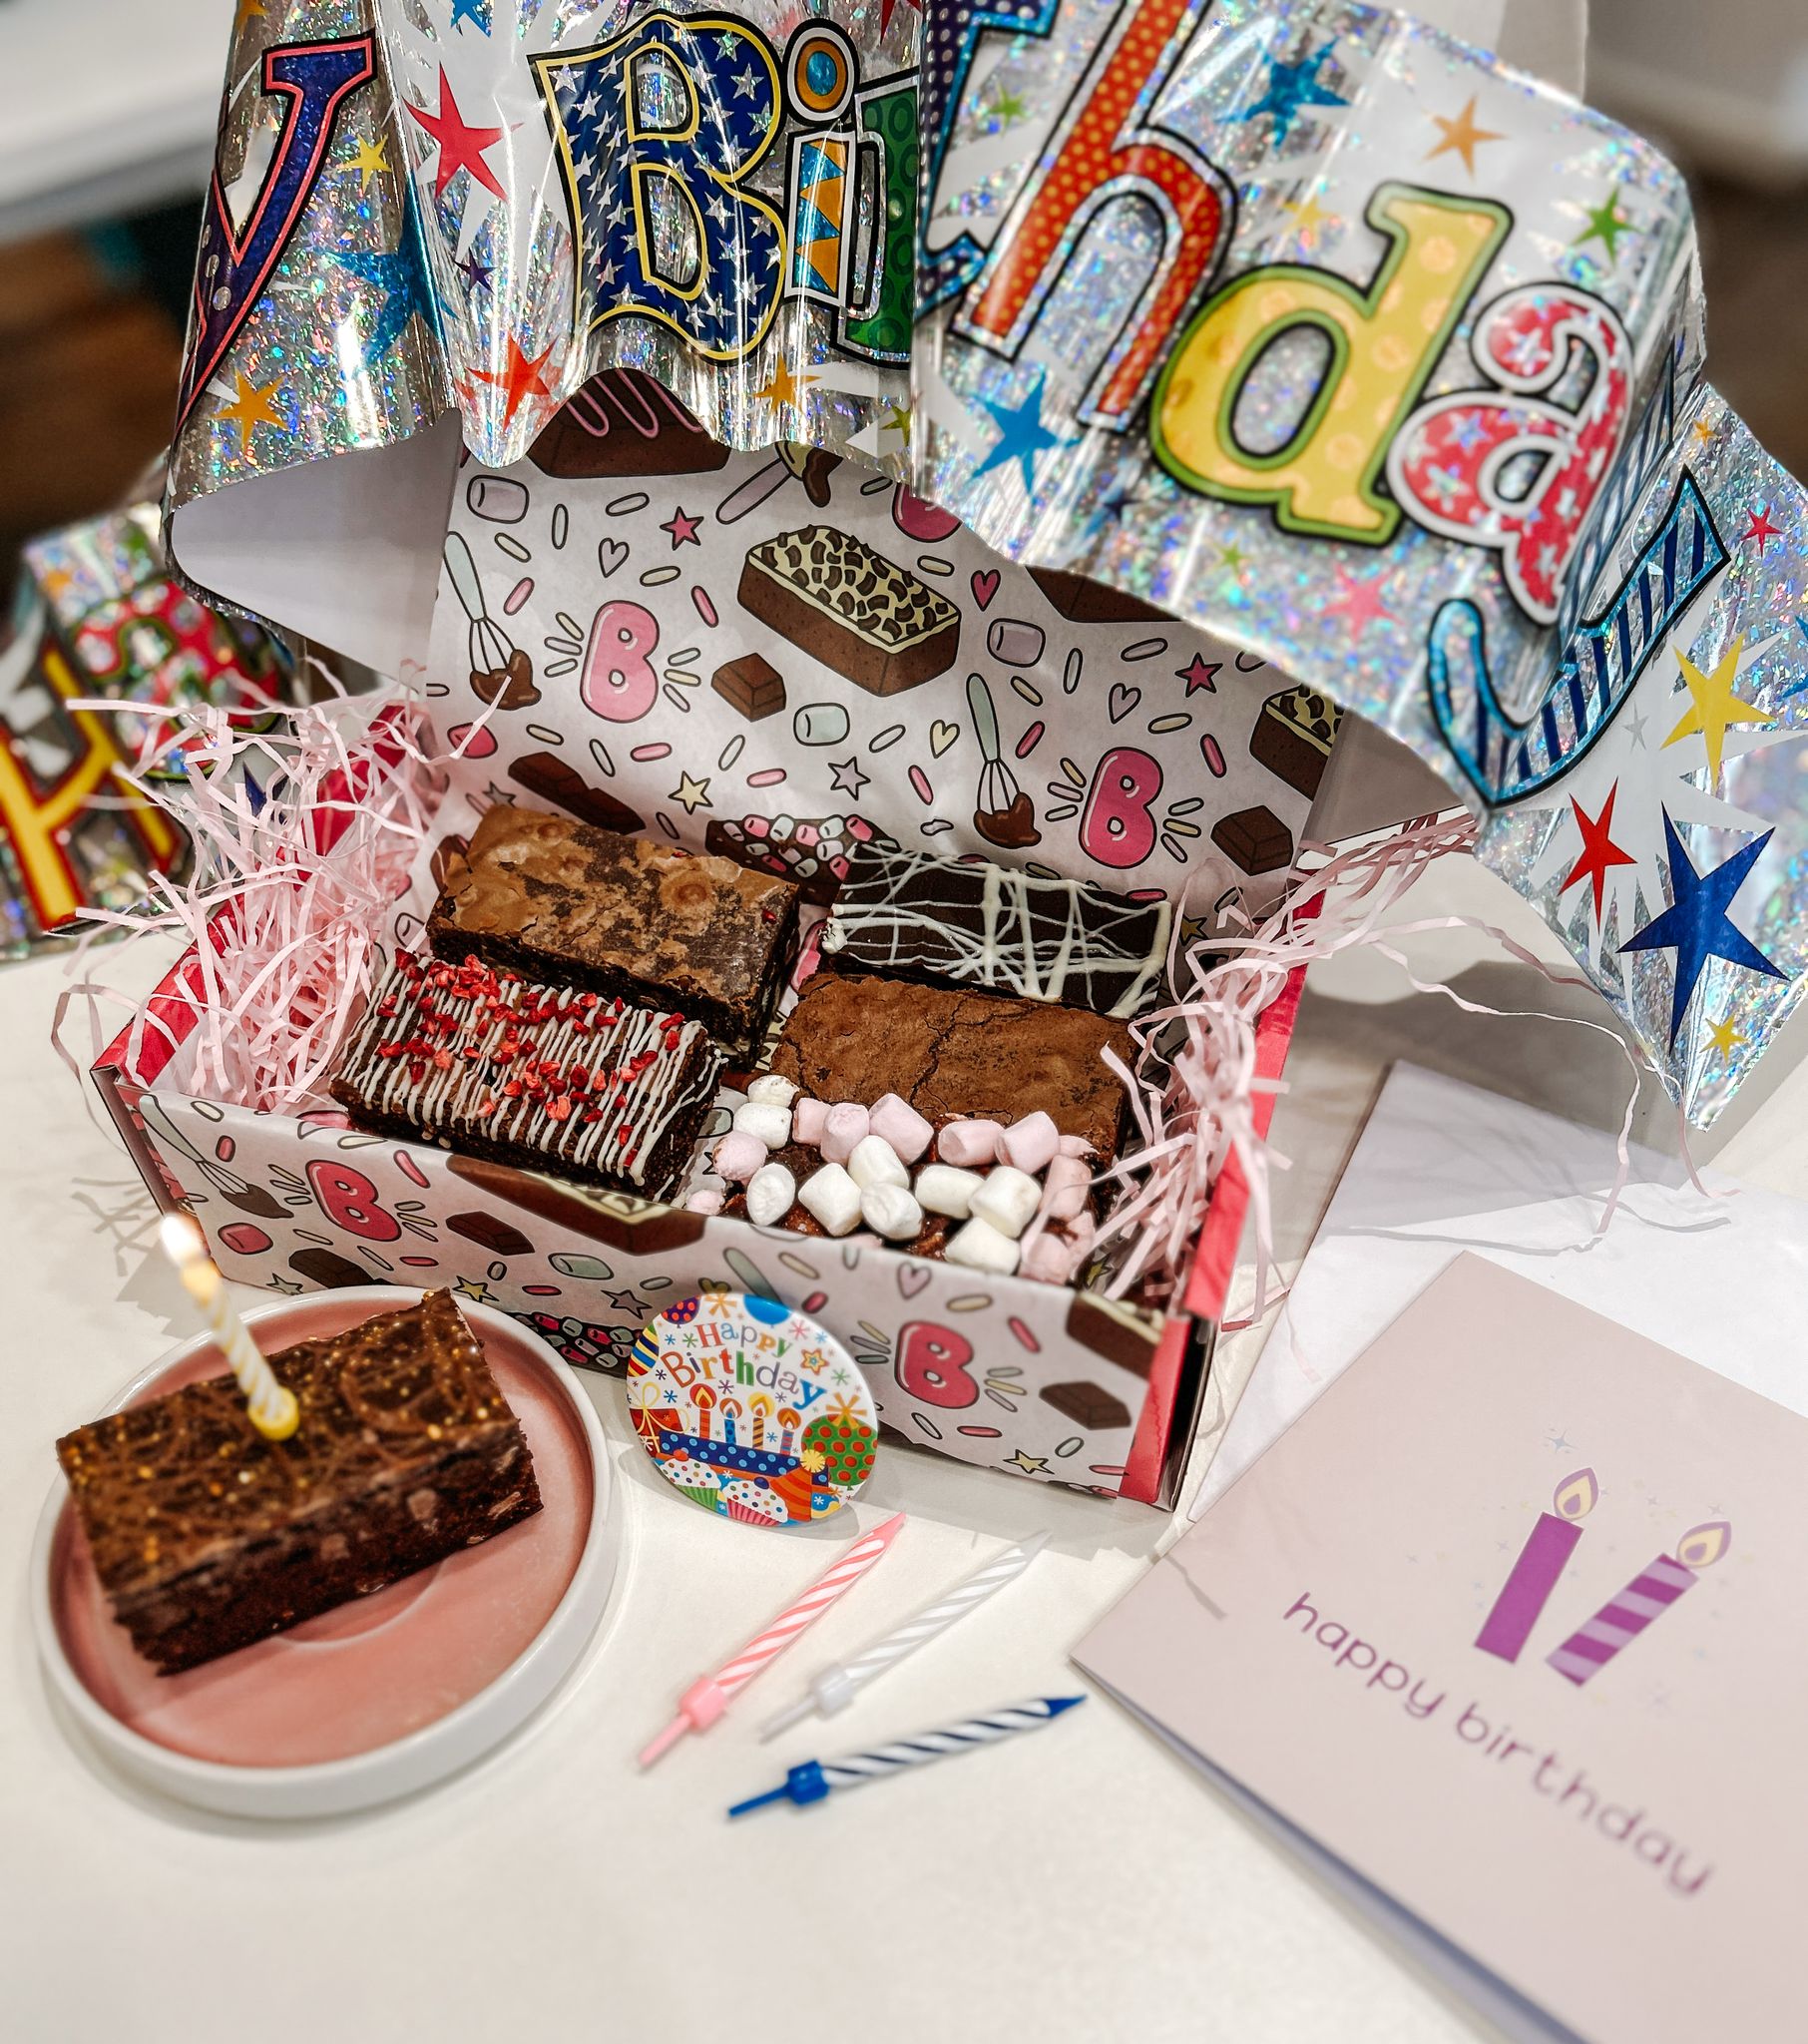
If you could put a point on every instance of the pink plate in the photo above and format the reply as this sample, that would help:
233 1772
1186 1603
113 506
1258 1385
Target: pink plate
382 1695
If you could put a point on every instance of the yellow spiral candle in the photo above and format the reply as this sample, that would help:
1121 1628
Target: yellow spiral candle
273 1405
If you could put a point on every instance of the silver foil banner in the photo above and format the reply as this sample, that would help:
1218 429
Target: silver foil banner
1300 321
1324 332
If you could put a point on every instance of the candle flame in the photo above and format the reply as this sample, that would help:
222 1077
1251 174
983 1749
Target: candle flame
181 1239
1701 1546
1577 1496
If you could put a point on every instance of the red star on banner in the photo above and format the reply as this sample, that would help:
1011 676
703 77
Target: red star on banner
1360 603
886 10
1762 530
520 378
1200 673
1599 851
460 146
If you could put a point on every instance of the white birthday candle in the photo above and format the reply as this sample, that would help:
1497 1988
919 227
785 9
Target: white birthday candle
814 1781
839 1683
273 1405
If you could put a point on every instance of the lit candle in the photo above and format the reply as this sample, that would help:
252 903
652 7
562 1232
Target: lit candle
273 1405
1541 1563
1589 1648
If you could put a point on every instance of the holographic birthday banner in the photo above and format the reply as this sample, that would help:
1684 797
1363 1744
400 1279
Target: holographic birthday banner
1324 332
1300 321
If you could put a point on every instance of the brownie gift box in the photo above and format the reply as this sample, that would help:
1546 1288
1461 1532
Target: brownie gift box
791 665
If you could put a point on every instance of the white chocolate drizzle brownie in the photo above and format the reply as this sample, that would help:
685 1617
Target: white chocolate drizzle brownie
497 1066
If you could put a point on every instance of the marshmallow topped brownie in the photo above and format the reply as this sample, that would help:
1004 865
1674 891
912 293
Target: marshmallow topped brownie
954 1054
556 899
972 923
207 1537
551 1077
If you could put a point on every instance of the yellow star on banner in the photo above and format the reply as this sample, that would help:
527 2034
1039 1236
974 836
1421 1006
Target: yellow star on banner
1310 217
899 421
474 1289
1462 136
1027 1465
250 406
782 387
1725 1036
693 794
367 159
1713 705
244 11
1703 431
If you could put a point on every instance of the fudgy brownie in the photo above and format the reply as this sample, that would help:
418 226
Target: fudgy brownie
957 922
550 1076
207 1537
952 1053
553 899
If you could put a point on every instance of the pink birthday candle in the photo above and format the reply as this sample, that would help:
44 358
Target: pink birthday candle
1542 1561
711 1695
1589 1648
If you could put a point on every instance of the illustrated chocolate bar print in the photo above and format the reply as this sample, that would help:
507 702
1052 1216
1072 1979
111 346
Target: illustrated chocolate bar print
983 925
843 603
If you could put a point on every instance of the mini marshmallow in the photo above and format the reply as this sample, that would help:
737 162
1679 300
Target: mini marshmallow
1008 1200
771 1192
902 1127
981 1248
889 1210
770 1090
832 1198
1064 1191
945 1188
706 1200
1076 1145
1031 1143
807 1118
874 1161
967 1143
842 1127
1051 1259
739 1155
768 1124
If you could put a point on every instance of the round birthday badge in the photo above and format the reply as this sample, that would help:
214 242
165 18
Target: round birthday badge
751 1410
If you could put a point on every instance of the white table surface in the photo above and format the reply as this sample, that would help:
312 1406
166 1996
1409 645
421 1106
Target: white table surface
1077 1885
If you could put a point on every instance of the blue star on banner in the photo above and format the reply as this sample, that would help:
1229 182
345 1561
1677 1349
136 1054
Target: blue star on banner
1021 435
398 276
477 12
1292 88
1696 925
1796 688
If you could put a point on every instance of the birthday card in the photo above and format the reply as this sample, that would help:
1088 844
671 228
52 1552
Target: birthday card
1506 1632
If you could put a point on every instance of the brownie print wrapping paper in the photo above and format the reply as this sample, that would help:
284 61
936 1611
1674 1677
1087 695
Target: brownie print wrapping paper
1301 320
778 656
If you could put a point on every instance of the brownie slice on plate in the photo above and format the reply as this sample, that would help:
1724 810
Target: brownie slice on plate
207 1537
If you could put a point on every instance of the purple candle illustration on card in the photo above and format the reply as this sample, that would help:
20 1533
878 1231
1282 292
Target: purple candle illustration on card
1646 1596
1541 1564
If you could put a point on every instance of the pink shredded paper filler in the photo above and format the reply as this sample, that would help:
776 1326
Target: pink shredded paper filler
289 896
